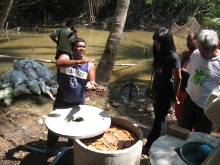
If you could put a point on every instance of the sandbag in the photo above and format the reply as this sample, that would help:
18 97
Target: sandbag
50 82
53 85
43 72
3 85
6 93
36 64
21 89
19 64
7 101
6 77
32 64
52 75
53 90
18 77
45 89
31 73
28 65
34 86
28 76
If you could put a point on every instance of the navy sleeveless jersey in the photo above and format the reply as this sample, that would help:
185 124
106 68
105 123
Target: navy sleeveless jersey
72 83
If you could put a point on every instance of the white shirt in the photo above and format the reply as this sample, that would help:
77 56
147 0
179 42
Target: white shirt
204 75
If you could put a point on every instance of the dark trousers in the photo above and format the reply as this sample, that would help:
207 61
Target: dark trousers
58 76
193 115
160 125
52 138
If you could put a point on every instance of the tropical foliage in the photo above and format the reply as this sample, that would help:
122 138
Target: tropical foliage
141 12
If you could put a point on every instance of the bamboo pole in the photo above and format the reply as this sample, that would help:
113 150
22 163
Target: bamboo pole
122 64
21 58
125 64
18 28
51 61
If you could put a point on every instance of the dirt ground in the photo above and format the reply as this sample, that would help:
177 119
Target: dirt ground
22 123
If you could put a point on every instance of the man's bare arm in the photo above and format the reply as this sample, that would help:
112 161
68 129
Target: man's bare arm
91 84
54 39
65 62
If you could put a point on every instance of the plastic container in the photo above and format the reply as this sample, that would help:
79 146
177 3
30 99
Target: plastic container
192 154
204 151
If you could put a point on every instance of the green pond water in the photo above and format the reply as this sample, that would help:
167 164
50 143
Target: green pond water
135 48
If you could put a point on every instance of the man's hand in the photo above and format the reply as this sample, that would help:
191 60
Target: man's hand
74 31
91 85
54 39
88 60
84 60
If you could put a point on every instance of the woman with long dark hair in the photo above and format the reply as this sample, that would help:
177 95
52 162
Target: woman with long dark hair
167 77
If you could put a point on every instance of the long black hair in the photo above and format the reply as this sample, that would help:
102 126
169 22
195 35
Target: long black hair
167 47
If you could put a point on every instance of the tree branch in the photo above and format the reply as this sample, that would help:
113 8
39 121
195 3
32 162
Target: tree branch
27 3
182 10
198 8
200 12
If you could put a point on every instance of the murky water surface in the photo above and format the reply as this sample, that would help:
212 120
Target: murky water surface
135 48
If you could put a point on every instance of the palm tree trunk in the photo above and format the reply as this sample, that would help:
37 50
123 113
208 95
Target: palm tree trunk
106 64
5 12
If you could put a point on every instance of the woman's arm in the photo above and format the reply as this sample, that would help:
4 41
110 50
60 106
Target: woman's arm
182 57
177 81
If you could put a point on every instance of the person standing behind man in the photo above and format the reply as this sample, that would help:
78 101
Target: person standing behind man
77 74
191 45
204 69
167 77
63 38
